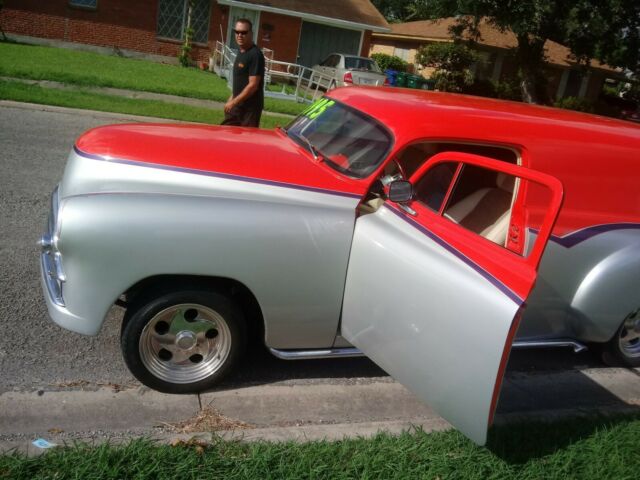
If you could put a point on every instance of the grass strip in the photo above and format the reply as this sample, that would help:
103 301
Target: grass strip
575 449
96 70
21 92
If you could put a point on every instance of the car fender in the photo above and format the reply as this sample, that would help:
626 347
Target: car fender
609 292
292 257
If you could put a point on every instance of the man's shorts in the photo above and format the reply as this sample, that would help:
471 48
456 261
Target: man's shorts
243 117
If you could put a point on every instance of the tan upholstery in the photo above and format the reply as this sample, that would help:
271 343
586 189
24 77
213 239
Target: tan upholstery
486 211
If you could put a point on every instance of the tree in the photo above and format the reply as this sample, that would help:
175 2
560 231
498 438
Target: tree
452 63
185 50
401 10
608 31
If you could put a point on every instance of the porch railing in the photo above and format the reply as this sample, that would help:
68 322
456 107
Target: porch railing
298 82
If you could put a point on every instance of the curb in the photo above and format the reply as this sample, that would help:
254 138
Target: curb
95 113
285 412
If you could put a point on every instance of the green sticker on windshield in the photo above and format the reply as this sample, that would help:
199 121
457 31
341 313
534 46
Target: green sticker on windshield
318 107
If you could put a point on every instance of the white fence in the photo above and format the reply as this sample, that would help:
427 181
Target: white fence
298 82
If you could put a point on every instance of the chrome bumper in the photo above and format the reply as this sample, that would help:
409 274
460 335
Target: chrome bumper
50 258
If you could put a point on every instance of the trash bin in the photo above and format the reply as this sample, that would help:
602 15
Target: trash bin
401 79
391 76
428 85
414 81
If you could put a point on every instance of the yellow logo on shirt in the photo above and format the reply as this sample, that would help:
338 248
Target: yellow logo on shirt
241 65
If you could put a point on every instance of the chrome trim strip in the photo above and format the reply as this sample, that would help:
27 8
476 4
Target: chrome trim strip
57 261
315 354
577 346
52 221
54 286
50 259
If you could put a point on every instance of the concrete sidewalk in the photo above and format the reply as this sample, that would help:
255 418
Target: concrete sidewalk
294 412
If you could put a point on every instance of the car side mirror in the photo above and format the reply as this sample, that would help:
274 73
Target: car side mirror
400 191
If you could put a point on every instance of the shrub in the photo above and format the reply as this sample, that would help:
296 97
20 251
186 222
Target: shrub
390 62
575 103
452 62
506 89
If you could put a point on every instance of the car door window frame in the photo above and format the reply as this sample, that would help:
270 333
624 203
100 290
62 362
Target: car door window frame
464 242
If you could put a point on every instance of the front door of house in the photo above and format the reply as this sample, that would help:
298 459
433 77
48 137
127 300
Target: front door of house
318 41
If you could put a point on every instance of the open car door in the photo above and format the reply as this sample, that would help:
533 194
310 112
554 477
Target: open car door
435 284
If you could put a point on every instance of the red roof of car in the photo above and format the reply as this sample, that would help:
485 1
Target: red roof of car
411 113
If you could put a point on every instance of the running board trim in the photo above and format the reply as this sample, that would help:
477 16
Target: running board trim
577 346
314 354
354 352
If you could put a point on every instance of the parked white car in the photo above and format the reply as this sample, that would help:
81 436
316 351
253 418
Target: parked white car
348 70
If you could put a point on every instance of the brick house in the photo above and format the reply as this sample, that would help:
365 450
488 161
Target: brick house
566 77
298 31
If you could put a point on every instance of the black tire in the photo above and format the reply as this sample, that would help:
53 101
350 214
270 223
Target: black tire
623 350
183 342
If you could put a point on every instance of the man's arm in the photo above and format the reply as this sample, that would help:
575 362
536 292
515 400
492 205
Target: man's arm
250 89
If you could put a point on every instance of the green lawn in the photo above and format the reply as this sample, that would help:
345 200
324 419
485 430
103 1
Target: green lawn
20 92
96 70
578 449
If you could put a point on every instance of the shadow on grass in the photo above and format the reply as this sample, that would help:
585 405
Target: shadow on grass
519 443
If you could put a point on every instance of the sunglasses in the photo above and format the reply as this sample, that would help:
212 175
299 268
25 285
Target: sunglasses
241 32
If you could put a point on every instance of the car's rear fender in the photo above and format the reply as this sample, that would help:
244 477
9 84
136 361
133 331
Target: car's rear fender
608 293
588 283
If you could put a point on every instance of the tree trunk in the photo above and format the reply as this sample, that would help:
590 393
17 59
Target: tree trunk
4 37
189 15
531 56
528 91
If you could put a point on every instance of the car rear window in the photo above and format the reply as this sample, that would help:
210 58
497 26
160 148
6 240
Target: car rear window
357 63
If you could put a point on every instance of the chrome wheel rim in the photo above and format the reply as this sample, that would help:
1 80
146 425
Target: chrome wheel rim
185 343
629 338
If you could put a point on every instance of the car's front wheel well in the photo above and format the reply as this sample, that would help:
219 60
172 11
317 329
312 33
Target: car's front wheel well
245 300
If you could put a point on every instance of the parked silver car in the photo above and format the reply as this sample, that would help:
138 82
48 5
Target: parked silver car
348 70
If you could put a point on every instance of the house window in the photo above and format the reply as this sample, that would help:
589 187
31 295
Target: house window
573 84
84 3
485 65
172 19
403 53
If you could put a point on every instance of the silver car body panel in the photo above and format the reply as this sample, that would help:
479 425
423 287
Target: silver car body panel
405 293
122 223
588 282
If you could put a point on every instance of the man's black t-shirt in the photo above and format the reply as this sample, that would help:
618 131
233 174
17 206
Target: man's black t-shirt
249 64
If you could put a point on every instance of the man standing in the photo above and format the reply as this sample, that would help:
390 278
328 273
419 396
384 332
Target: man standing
244 107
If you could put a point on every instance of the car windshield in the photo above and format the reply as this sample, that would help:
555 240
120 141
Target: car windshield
346 139
358 63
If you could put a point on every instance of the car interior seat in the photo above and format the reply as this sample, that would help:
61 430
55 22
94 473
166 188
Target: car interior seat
487 210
